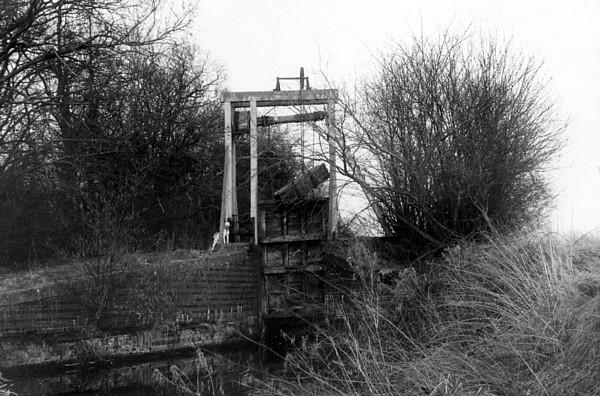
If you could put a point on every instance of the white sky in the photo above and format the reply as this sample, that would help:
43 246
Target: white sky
257 40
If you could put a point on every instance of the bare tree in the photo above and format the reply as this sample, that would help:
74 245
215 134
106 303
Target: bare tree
61 63
450 139
47 44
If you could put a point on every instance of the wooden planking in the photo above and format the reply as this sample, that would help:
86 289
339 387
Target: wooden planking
292 247
228 182
333 191
254 170
302 220
300 187
293 238
280 98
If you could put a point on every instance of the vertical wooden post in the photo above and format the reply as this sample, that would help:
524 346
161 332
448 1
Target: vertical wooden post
227 200
254 168
333 196
234 202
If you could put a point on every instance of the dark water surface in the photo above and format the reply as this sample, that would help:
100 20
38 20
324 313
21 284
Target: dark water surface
222 371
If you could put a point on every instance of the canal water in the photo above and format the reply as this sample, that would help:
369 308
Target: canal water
232 371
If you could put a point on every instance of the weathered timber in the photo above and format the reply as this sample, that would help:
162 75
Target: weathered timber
303 184
253 100
241 119
292 235
253 169
280 98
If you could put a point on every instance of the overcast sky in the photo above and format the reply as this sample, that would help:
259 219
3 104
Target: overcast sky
257 40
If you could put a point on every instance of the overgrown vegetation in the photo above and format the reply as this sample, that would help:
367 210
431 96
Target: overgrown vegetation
513 316
111 132
110 140
449 142
99 107
450 138
4 387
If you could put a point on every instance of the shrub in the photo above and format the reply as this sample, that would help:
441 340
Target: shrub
450 138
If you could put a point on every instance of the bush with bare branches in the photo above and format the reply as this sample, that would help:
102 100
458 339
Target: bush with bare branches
449 138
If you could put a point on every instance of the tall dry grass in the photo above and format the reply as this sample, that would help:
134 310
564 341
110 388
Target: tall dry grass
515 315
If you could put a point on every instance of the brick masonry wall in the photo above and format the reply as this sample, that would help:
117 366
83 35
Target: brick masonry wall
154 305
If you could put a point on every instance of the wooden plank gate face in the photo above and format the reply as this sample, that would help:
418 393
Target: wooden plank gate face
291 248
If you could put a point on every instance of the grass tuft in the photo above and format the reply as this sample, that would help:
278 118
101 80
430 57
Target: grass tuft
516 315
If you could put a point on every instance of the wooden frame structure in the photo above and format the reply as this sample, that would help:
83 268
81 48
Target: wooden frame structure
253 100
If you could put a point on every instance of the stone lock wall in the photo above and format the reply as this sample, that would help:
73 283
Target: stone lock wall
160 302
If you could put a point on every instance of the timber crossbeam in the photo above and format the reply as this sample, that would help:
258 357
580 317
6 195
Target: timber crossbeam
281 98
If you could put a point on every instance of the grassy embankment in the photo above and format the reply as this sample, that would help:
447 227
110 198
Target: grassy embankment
512 316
